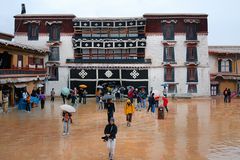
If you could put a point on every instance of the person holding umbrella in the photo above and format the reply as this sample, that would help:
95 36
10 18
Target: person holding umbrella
67 117
129 110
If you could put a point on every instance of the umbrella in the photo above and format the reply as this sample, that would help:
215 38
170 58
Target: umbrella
107 96
142 87
83 86
129 87
40 85
100 87
68 108
164 84
122 88
65 91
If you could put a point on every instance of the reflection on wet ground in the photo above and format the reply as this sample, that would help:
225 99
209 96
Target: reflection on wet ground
193 129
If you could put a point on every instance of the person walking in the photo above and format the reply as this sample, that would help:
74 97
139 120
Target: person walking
139 106
42 99
66 122
52 95
143 96
80 93
110 109
63 98
28 101
129 110
84 96
151 102
225 94
100 103
229 93
110 132
165 102
131 94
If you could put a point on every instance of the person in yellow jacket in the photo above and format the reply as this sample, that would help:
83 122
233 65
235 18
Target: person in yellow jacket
129 110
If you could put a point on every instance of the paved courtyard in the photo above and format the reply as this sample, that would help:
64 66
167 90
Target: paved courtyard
193 129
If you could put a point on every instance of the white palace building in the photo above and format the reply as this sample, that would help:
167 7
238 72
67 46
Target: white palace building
150 50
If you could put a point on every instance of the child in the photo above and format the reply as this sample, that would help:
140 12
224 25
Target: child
100 103
66 122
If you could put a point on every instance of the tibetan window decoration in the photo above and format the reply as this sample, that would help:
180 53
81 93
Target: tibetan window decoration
54 28
168 29
191 28
33 29
192 74
168 74
192 53
168 55
224 65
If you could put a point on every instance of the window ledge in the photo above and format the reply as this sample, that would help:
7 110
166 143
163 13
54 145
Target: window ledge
169 42
192 63
169 63
192 41
54 42
192 83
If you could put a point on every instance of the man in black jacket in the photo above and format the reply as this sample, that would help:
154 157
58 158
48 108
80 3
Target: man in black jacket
110 131
110 109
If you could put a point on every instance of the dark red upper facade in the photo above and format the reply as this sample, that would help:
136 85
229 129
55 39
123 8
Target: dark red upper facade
154 22
65 19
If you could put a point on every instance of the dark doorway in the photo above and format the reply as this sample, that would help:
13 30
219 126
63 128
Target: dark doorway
5 60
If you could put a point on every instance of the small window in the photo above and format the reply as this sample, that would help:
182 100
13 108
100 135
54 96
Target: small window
54 32
169 74
169 54
192 88
192 54
172 88
191 31
33 31
53 73
224 65
168 31
54 55
192 75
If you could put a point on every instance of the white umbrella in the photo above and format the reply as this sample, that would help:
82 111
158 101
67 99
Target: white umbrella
156 93
100 87
68 108
40 85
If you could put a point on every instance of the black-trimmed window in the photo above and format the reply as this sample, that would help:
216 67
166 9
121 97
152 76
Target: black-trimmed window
192 74
54 54
168 74
224 65
53 73
54 32
191 31
172 88
192 88
168 55
33 31
168 31
192 54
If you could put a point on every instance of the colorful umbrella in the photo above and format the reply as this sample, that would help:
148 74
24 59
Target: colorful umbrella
65 91
83 86
130 87
68 108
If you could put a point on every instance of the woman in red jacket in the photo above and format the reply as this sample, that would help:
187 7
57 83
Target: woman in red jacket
165 102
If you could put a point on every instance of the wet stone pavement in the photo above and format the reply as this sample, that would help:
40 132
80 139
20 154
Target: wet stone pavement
195 129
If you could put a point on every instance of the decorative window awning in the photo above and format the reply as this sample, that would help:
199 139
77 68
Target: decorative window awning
52 22
191 21
31 22
169 21
109 44
108 23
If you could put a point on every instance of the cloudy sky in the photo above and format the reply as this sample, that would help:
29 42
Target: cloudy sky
223 20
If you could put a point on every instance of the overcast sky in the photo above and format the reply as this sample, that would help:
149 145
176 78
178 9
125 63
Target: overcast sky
223 20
